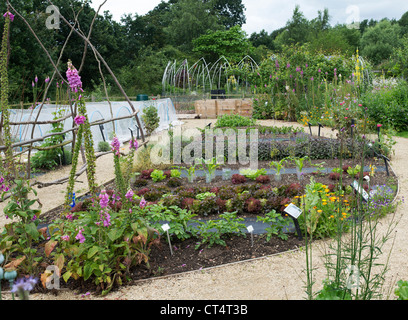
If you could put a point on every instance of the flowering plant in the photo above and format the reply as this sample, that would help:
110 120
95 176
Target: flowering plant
79 120
8 14
102 245
84 132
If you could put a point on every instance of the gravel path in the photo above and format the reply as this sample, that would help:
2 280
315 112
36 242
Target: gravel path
278 277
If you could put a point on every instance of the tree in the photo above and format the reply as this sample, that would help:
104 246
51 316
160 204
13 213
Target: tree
378 42
231 12
232 43
262 38
403 22
296 30
189 20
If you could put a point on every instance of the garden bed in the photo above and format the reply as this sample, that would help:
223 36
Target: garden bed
208 218
185 256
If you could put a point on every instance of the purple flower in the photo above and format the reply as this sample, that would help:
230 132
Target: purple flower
79 120
129 194
288 65
9 14
134 144
36 79
106 219
65 238
115 145
142 203
73 77
47 80
80 236
104 199
24 284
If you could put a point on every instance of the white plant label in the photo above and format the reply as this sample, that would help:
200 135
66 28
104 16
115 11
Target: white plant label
165 227
360 190
293 211
250 229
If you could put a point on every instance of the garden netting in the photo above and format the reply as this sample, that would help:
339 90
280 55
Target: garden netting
96 111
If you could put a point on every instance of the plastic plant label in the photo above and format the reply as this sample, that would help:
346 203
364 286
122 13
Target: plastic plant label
293 211
165 227
360 190
250 229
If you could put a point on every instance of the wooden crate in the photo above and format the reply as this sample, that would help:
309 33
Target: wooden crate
207 109
244 107
210 109
227 106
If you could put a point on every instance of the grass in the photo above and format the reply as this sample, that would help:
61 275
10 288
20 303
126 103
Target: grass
402 134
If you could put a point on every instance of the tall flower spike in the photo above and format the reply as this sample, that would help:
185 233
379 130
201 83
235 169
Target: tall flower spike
74 78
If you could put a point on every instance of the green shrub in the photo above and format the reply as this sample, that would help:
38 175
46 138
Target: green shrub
386 105
104 146
151 119
233 121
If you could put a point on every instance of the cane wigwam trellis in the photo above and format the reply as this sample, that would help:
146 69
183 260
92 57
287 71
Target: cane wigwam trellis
81 124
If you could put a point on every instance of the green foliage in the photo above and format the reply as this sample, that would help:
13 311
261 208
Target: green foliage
176 218
151 119
378 42
234 121
189 20
385 105
175 173
232 44
253 174
212 232
330 291
102 254
277 224
50 158
204 195
19 237
104 146
157 175
402 290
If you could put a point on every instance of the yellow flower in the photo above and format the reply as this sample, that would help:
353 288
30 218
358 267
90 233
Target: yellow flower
319 211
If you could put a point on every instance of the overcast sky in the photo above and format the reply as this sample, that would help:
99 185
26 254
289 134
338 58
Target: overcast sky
272 14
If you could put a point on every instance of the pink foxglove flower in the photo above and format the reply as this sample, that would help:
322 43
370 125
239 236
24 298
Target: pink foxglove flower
65 238
129 194
9 14
79 120
80 236
115 146
104 199
134 144
73 77
142 203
